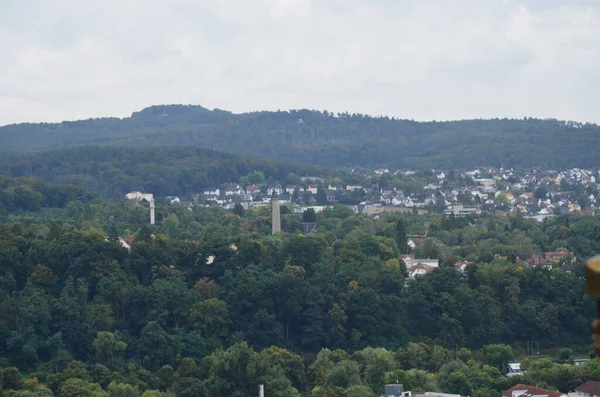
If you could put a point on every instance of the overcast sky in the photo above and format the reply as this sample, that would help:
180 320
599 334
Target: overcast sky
426 59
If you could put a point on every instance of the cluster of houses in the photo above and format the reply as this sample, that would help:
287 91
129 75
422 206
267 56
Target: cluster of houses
548 260
564 260
260 195
535 193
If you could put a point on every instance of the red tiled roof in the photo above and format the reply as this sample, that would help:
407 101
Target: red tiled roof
557 255
421 266
529 390
459 264
592 387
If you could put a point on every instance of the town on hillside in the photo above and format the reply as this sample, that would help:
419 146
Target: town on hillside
534 193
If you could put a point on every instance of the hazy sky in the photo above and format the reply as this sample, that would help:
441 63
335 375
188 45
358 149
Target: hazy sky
425 59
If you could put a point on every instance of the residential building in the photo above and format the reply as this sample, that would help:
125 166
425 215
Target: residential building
558 257
125 244
252 189
410 263
514 369
369 208
420 269
461 266
487 185
588 389
537 260
274 189
460 210
330 195
580 361
521 390
212 192
396 390
233 189
301 209
416 240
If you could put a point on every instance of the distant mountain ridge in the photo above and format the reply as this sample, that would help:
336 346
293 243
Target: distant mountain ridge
324 139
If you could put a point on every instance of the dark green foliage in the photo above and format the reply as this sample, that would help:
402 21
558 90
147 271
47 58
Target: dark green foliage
110 171
26 194
309 216
321 138
239 210
11 379
217 305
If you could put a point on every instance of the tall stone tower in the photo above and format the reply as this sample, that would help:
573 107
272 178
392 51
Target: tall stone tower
152 211
276 217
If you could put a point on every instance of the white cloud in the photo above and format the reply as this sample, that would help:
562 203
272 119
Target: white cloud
433 59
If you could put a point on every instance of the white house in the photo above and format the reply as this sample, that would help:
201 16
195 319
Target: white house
410 263
313 188
353 187
420 269
461 266
460 210
212 192
233 189
274 189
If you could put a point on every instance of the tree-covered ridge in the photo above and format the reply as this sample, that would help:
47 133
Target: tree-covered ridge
208 302
327 139
27 194
113 171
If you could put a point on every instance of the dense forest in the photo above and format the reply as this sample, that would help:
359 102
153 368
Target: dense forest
113 171
327 139
209 303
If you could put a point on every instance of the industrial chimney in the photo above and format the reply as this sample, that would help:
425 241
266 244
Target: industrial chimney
152 212
276 217
261 390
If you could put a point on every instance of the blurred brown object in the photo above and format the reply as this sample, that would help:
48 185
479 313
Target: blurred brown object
592 289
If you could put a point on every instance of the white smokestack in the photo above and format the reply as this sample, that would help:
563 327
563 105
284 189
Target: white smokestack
152 212
276 217
261 390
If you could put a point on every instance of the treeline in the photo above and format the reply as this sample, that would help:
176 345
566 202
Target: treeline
112 171
238 370
327 139
26 194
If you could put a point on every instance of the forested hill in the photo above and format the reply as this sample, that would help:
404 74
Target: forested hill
325 139
112 171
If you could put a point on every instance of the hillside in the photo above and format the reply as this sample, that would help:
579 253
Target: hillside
111 171
324 139
209 303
